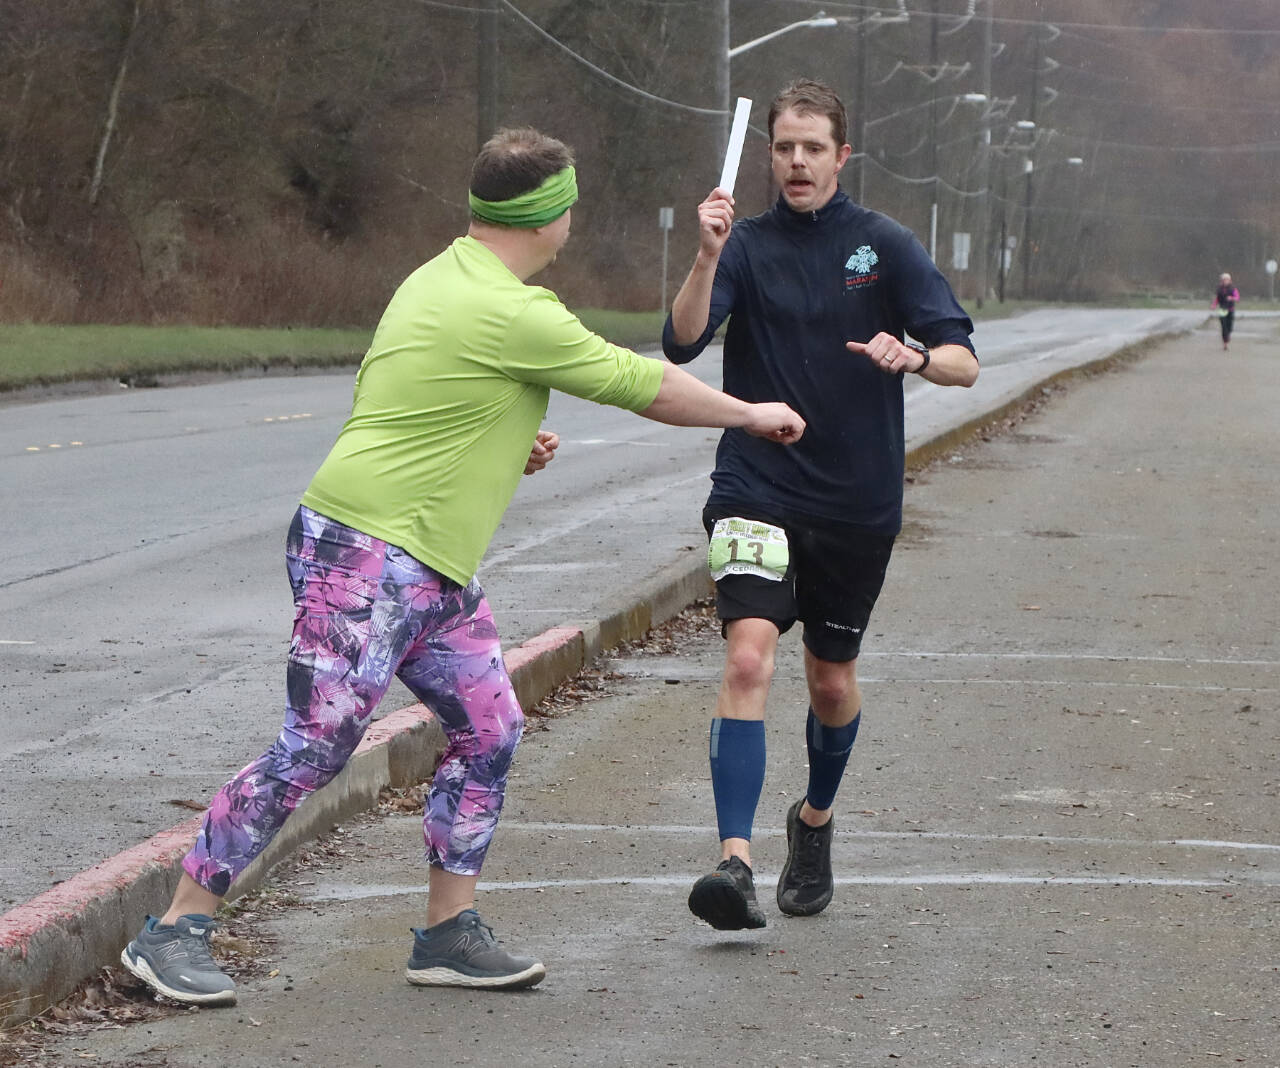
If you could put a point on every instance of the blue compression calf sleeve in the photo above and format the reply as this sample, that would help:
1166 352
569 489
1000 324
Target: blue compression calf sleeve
828 754
737 773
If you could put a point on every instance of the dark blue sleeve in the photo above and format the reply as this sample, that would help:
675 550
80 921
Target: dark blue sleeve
723 292
925 299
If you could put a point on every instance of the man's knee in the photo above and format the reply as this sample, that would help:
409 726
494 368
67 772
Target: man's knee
832 687
750 657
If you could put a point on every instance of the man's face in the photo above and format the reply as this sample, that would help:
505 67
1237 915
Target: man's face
806 159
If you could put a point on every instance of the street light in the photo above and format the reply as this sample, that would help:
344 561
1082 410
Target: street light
819 21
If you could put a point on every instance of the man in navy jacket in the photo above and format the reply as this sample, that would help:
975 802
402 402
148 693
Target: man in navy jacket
819 292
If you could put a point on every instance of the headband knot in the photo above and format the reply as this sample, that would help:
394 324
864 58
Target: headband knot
537 207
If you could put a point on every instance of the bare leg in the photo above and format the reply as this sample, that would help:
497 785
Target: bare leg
449 894
190 899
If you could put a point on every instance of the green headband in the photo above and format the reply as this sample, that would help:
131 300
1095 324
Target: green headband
537 207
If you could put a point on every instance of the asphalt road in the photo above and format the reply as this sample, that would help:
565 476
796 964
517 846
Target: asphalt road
1056 842
144 612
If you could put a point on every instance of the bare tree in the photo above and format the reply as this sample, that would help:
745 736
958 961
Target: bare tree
113 103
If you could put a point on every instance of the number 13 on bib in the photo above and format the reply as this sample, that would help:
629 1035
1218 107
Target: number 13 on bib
746 547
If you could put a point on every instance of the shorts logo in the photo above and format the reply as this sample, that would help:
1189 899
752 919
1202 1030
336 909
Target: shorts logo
859 269
843 626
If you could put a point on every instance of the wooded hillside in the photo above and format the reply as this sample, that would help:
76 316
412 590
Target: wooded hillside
220 161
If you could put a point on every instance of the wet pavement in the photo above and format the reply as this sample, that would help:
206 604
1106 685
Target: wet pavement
1056 840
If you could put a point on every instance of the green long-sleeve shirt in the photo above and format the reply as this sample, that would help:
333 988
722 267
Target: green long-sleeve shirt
448 400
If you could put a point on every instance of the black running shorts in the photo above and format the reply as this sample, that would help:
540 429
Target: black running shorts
833 576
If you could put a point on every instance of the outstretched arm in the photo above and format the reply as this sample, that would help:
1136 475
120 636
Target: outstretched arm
683 400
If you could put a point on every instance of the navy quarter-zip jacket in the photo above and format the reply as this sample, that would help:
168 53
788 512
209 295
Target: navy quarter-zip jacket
795 287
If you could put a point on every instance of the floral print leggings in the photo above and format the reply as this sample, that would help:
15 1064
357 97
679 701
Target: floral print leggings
363 612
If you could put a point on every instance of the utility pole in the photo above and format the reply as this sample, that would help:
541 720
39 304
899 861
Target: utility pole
724 94
933 130
1030 167
984 147
860 110
486 71
1002 252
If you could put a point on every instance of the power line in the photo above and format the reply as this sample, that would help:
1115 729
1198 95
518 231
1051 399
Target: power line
1269 112
453 7
604 73
1194 150
1046 209
905 180
1007 21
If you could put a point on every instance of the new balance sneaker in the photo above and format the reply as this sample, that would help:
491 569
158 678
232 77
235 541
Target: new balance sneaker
726 898
463 952
175 961
805 885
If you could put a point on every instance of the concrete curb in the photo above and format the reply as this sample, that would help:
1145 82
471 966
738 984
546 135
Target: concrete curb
55 941
51 944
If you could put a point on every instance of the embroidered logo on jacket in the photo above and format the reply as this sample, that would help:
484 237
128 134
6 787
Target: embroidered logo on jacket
859 269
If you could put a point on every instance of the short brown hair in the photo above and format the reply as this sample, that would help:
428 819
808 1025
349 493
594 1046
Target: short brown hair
807 97
516 161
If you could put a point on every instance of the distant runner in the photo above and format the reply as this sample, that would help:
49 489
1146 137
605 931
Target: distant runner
1225 299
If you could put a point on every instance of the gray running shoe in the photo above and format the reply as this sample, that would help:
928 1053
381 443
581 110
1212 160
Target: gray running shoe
726 898
463 952
175 961
806 884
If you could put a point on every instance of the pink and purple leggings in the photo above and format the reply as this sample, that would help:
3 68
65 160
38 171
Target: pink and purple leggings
365 611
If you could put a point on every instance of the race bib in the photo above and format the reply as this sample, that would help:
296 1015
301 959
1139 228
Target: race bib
747 547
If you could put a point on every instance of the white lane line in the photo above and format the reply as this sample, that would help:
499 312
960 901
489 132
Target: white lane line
616 441
655 489
1097 684
8 641
933 680
920 879
365 891
567 565
1113 657
902 836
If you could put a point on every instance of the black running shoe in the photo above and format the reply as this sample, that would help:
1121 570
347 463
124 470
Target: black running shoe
726 898
463 952
806 885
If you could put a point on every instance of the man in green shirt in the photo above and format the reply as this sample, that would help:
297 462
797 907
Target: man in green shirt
382 556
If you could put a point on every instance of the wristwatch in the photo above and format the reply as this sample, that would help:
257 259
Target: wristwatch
923 352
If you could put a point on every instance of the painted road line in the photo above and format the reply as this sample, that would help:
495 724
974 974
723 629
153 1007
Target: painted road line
1117 658
901 836
366 891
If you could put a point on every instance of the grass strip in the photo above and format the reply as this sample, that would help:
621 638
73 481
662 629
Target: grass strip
39 354
44 355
